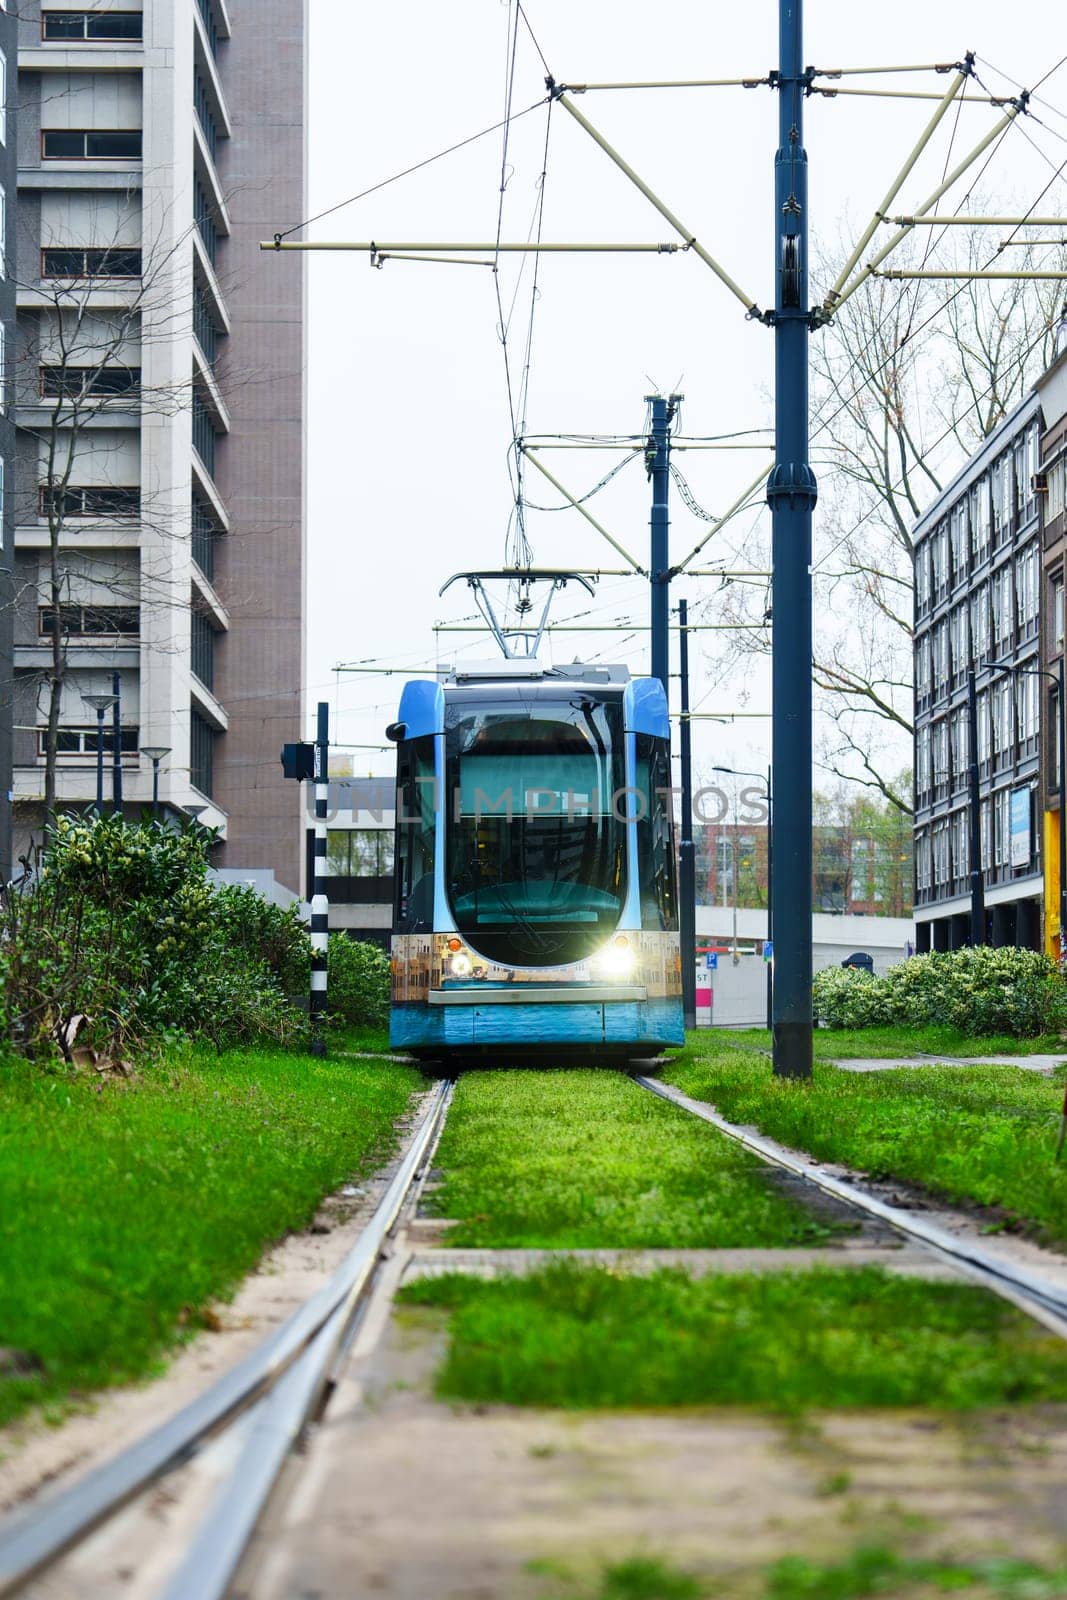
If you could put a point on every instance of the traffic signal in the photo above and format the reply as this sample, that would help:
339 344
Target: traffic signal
298 761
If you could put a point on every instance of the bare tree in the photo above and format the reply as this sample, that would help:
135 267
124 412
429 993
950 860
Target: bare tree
906 381
80 362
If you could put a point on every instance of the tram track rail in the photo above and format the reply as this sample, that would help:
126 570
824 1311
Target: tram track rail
269 1397
1046 1302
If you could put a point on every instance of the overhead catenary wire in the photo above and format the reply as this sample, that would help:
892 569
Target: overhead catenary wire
407 171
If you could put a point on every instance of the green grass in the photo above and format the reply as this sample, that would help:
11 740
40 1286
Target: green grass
589 1159
877 1570
975 1133
849 1043
353 1037
870 1570
124 1208
841 1337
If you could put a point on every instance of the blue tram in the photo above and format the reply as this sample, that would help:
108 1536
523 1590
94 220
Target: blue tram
536 904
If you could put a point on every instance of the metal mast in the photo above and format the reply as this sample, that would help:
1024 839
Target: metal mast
791 493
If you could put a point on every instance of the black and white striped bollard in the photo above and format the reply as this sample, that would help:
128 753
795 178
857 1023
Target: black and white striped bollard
320 903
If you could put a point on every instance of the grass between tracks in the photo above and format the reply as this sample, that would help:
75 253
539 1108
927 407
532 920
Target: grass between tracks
982 1134
578 1159
125 1207
828 1337
869 1570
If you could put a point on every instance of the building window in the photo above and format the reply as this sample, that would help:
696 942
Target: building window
202 649
91 144
1002 608
960 643
205 530
84 741
961 745
960 541
922 764
922 668
69 25
1002 699
72 261
980 623
980 534
88 621
1055 480
922 580
81 383
203 432
206 223
983 727
960 846
3 98
359 852
1026 704
201 753
92 500
939 557
1026 590
1057 613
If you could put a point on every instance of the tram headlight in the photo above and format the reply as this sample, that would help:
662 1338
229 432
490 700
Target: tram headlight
617 959
460 965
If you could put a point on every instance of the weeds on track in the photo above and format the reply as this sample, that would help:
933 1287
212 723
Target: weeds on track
577 1159
983 1134
786 1341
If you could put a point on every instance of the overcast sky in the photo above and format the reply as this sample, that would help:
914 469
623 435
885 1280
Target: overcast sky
409 421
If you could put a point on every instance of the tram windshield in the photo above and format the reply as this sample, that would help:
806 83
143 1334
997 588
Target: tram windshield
536 857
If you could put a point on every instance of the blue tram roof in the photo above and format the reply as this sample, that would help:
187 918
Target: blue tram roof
422 702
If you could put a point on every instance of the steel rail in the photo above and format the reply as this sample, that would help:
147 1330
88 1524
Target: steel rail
1041 1299
282 1366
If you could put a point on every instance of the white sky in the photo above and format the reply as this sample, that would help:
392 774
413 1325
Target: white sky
408 419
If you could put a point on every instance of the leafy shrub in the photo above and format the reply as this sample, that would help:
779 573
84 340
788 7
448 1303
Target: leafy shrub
265 932
980 990
358 981
117 925
849 997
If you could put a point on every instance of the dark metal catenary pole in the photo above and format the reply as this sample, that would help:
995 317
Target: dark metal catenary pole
974 822
791 493
658 461
687 906
320 904
116 755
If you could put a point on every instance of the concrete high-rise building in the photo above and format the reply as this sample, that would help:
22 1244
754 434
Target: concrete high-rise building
158 386
8 184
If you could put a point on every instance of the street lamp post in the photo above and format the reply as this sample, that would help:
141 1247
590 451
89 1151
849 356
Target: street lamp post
1057 678
99 703
738 773
155 754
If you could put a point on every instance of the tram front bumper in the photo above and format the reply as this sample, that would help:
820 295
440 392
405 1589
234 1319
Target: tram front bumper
615 1014
538 994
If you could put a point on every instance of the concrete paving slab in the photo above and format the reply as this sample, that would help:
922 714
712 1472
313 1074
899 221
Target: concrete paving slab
1039 1063
908 1259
